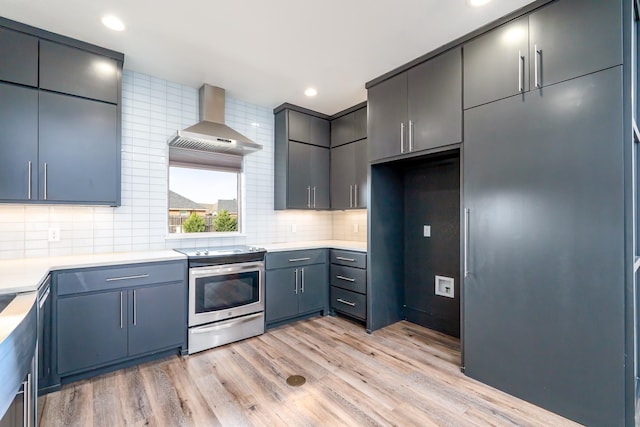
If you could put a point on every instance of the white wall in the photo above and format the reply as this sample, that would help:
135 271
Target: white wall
152 110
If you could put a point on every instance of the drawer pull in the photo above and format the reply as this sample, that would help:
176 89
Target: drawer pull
299 259
115 279
345 259
351 304
348 279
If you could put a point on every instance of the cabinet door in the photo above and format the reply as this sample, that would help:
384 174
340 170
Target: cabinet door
79 147
298 176
361 163
543 183
360 121
299 127
387 115
320 159
312 295
92 330
19 53
493 64
574 38
343 130
158 318
77 72
18 142
320 132
435 102
281 294
343 176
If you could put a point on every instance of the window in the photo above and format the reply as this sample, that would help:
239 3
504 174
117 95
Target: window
204 193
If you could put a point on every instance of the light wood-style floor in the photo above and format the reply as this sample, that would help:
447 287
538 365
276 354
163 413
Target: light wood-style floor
402 375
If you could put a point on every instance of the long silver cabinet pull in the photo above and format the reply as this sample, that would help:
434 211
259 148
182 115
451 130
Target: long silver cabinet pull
355 193
45 181
295 284
29 182
309 196
299 259
25 401
410 135
115 279
351 196
121 317
520 71
314 196
536 65
345 259
466 242
401 137
349 303
44 297
135 309
348 279
302 280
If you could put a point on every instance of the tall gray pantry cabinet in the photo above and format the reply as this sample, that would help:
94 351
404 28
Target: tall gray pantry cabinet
548 217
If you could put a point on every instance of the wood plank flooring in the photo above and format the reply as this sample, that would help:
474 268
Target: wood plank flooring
402 375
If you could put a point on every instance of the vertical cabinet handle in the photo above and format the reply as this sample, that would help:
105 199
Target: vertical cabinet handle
520 71
45 180
135 309
295 282
302 280
355 192
308 196
314 196
536 65
410 135
25 400
351 196
121 316
29 181
401 137
466 243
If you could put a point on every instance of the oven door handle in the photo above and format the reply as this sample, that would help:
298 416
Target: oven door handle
207 271
225 324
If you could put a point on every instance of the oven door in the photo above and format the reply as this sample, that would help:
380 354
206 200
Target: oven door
225 291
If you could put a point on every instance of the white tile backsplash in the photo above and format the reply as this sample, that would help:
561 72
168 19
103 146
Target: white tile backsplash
152 111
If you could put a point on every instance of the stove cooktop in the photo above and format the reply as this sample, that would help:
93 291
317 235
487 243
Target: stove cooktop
223 251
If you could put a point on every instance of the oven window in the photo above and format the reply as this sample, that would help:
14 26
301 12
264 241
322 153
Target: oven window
215 293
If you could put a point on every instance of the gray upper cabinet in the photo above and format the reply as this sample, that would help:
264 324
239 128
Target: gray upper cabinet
73 71
496 63
78 150
349 127
360 119
418 109
19 53
18 142
571 38
349 175
301 168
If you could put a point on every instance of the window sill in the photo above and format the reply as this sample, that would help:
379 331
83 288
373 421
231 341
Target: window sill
182 236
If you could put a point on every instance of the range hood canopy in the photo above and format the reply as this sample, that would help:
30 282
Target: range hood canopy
211 134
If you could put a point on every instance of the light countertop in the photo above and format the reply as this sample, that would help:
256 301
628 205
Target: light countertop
316 244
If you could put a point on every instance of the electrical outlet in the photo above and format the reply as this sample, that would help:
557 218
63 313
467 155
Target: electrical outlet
355 227
445 286
426 232
54 234
294 228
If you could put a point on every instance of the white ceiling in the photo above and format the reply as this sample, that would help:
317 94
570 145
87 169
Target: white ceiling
266 51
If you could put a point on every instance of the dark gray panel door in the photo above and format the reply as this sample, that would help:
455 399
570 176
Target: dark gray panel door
574 38
18 142
314 285
78 144
281 294
387 114
320 179
298 176
92 330
19 53
343 130
69 70
493 68
435 101
360 121
361 168
158 317
544 300
320 132
343 176
299 127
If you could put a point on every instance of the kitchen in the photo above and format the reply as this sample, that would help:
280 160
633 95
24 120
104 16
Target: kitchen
153 109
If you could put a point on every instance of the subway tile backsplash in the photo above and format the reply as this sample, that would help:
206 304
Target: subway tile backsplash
152 111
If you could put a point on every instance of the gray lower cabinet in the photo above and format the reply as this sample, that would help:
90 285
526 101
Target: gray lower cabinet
348 279
296 285
19 53
417 110
349 175
543 304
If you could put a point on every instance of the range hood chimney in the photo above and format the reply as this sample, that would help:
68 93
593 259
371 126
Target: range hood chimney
211 134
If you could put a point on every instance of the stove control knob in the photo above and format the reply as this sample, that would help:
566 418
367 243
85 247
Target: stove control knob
206 252
197 252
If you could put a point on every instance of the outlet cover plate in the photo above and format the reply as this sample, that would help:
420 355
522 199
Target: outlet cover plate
445 286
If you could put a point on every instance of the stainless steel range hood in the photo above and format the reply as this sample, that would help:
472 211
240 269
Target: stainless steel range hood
211 134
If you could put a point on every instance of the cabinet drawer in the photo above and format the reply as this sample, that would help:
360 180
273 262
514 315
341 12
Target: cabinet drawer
295 258
97 279
349 303
352 259
353 279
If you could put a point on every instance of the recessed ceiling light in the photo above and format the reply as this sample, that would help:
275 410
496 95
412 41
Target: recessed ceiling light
476 3
113 22
311 91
